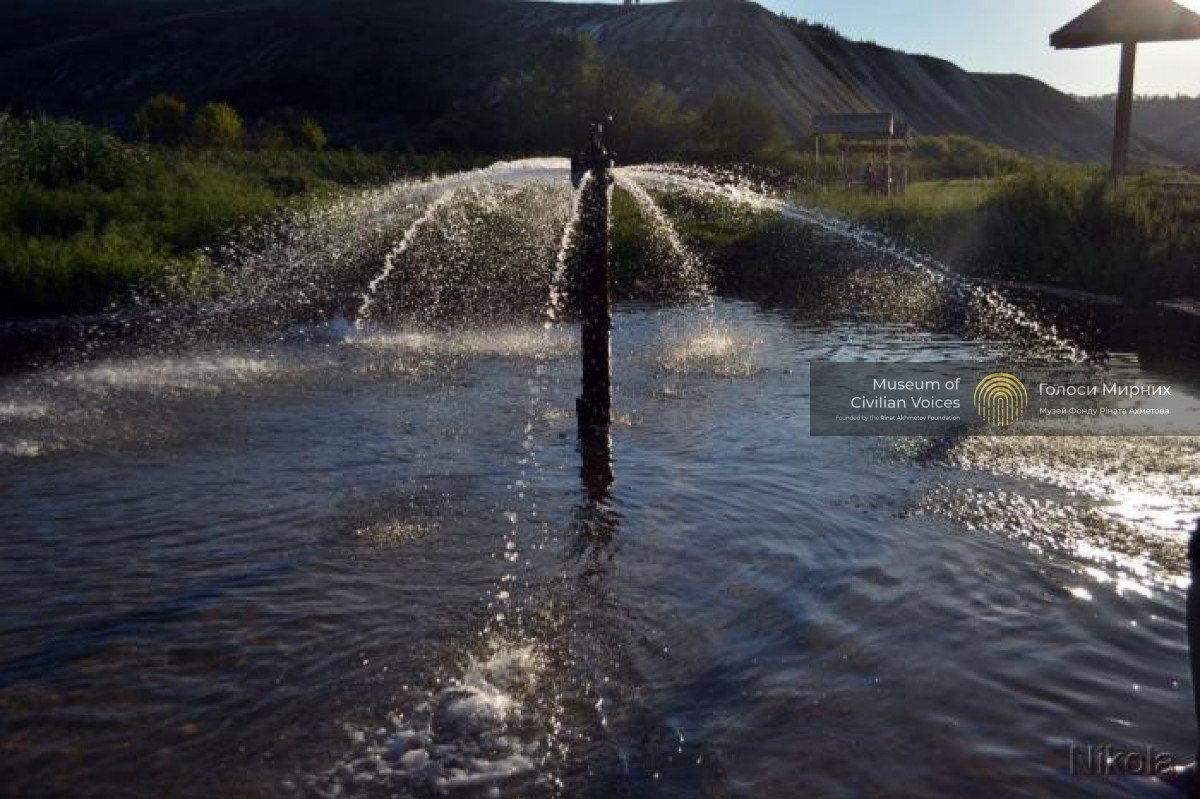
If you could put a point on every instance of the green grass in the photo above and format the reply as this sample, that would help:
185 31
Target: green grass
88 223
1054 224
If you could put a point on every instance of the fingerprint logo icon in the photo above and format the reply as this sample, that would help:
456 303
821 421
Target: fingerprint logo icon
1000 399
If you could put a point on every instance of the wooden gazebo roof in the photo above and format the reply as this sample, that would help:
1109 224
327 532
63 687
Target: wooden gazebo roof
1125 21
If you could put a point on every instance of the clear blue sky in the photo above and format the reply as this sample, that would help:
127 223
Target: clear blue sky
1004 36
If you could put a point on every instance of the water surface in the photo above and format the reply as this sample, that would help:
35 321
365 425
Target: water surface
354 562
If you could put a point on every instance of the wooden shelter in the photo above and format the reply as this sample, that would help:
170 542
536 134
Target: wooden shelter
1127 22
874 135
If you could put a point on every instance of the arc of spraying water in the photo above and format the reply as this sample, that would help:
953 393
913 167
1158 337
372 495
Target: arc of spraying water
554 307
689 264
397 252
1019 319
669 176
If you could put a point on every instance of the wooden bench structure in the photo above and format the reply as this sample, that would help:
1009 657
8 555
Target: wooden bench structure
875 135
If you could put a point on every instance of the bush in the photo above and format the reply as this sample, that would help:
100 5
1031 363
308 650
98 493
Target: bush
285 129
1074 227
218 125
740 126
35 211
88 223
956 156
162 119
544 108
60 154
1055 224
311 136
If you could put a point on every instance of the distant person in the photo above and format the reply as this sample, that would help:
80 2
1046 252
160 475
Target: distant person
870 178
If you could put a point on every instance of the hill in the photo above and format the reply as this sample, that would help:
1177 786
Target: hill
378 71
1170 122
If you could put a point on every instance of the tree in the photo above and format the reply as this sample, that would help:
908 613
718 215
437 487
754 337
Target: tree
218 125
545 107
162 119
739 125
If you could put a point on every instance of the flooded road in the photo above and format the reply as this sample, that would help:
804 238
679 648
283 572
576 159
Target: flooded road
359 562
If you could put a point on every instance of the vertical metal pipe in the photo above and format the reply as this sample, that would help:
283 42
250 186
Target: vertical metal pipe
594 406
1124 120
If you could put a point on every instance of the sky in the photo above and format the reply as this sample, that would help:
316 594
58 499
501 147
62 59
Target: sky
1005 36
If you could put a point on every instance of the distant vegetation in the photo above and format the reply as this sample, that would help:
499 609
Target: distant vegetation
1171 121
1056 224
163 120
90 222
541 110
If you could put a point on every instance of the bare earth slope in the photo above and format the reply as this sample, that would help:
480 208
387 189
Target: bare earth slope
696 47
377 68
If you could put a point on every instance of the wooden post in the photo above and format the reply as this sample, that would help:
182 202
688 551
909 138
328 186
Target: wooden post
1124 121
889 165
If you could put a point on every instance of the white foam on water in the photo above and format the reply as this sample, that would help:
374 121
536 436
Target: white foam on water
392 533
22 448
528 343
711 348
23 410
200 374
517 343
476 732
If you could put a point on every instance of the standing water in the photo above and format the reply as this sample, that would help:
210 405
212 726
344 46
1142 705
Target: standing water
354 558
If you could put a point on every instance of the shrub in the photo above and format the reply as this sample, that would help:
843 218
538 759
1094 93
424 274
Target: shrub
59 154
218 125
740 126
36 211
284 129
958 156
1074 227
162 119
311 136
